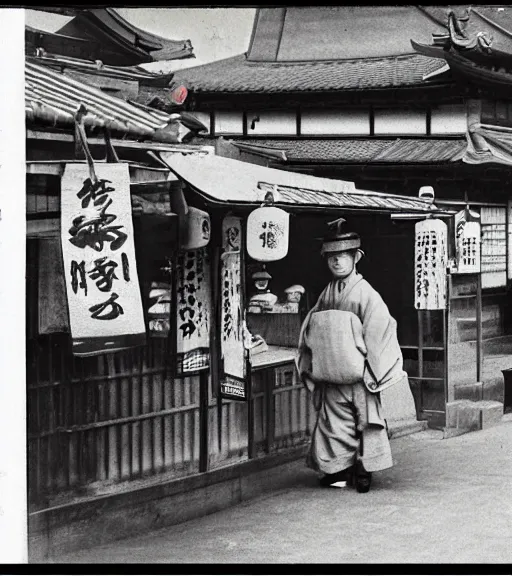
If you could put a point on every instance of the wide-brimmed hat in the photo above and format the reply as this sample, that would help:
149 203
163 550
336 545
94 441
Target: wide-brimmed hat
337 240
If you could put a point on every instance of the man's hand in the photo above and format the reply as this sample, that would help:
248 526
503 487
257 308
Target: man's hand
368 378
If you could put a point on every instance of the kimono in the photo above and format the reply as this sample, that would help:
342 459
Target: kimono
345 371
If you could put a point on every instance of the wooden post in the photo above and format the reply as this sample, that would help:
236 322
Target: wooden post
173 334
248 367
479 344
420 356
203 421
215 336
250 415
449 392
420 343
269 380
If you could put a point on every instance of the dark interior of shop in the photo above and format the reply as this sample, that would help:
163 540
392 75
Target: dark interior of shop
387 264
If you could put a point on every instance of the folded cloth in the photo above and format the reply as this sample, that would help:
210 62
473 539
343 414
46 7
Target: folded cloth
335 338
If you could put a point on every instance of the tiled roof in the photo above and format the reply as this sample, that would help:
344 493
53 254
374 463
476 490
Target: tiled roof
160 48
107 23
236 74
136 73
54 98
393 150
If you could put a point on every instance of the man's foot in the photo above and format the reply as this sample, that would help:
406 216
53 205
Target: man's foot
336 480
363 478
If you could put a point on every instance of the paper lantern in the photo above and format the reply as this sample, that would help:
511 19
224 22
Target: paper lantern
267 234
467 242
198 229
431 258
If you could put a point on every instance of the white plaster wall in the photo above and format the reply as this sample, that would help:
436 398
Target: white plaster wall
273 123
448 119
400 121
227 122
334 122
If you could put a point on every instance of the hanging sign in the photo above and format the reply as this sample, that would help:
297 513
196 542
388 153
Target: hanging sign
198 229
103 293
431 258
267 234
467 242
193 311
232 343
234 389
494 246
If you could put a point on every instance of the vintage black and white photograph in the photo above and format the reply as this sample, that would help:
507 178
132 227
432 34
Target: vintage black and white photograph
265 284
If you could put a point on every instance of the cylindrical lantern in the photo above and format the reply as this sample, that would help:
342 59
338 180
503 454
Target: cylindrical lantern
467 242
431 258
267 234
198 229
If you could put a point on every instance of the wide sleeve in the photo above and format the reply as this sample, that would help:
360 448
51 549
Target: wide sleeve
384 357
304 356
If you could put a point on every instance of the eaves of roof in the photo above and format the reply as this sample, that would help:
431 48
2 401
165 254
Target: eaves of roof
229 182
160 48
53 99
137 73
358 150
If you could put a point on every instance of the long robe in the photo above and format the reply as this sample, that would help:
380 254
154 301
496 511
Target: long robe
350 416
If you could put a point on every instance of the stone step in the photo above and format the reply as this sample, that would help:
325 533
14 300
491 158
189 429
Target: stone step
406 427
467 415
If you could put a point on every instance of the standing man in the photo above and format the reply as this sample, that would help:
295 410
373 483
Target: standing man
348 353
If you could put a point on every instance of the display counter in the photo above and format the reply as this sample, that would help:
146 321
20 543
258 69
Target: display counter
274 356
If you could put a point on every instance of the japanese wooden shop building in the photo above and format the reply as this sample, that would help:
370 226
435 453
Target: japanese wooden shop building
426 102
186 404
148 234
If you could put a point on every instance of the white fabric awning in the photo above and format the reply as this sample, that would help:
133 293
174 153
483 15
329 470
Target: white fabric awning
227 181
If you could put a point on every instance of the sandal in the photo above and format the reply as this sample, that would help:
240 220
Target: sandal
363 478
329 480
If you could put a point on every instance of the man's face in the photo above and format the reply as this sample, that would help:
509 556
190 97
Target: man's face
341 264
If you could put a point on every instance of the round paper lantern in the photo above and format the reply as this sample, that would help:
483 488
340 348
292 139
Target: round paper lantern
198 230
267 234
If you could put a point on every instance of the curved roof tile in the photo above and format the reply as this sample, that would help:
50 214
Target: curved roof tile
236 74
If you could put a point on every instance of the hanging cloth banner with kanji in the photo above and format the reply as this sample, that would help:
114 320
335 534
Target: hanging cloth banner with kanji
102 286
431 260
193 311
232 318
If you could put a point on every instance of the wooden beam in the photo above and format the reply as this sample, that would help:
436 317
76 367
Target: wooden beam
122 144
139 175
